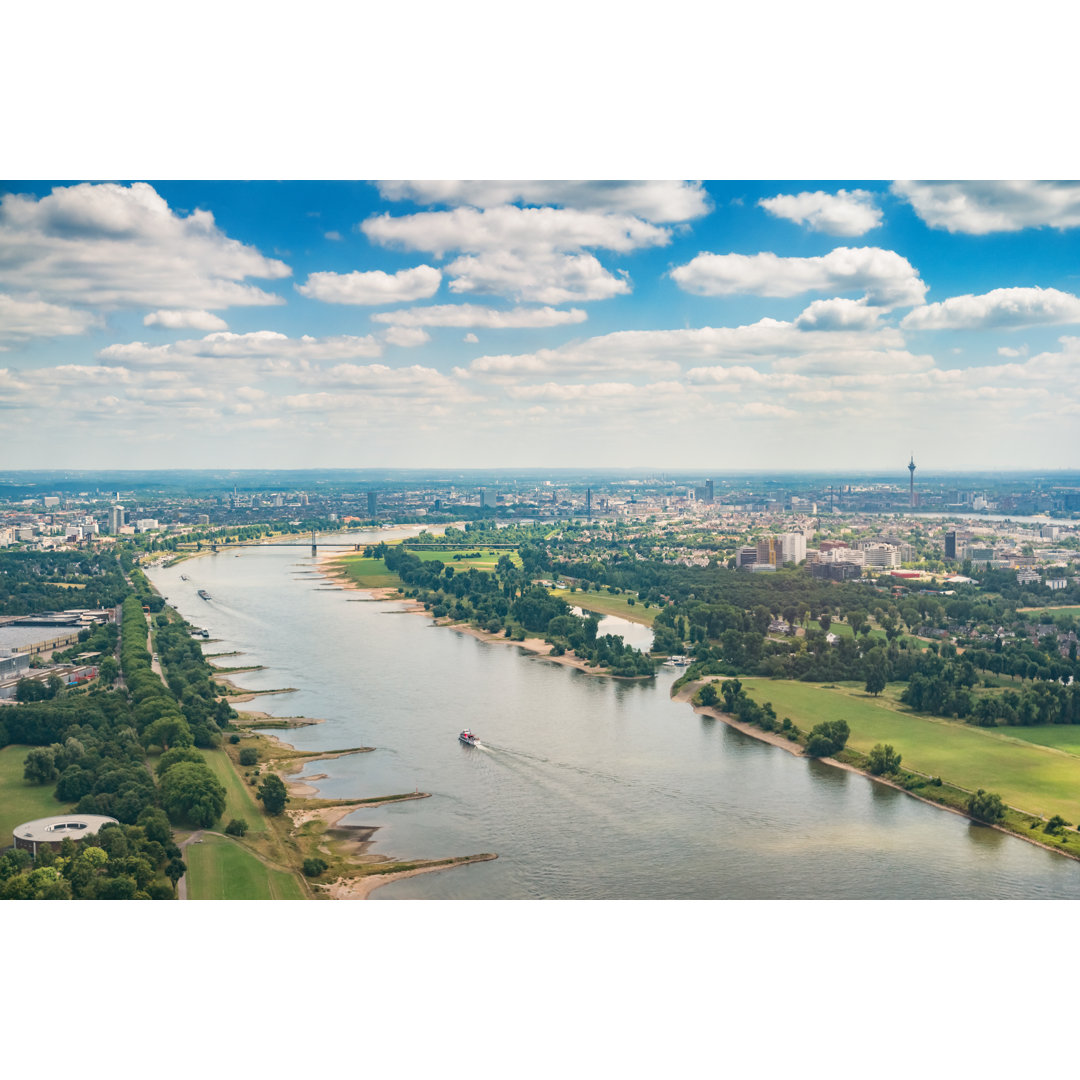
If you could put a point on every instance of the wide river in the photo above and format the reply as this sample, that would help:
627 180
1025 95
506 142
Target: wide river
586 787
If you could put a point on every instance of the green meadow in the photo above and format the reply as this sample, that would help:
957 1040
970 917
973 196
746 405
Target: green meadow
20 801
1033 769
220 869
604 603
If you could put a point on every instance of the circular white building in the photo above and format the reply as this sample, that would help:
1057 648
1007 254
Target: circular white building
54 830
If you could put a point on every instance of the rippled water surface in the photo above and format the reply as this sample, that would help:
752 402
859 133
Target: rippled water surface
585 786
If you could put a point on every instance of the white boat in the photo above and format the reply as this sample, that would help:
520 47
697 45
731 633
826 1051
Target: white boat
467 737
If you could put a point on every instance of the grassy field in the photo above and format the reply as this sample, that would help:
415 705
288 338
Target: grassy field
368 573
219 869
20 801
609 604
488 560
239 797
1036 778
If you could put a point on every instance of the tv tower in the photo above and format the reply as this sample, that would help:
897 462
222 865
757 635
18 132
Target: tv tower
911 471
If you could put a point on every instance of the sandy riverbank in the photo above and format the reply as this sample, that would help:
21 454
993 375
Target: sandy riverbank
362 887
537 646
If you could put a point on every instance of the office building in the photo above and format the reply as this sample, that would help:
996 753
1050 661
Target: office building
116 519
372 500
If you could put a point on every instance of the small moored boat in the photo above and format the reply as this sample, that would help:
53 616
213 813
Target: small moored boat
467 737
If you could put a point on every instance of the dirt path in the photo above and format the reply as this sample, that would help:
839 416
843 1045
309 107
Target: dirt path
181 885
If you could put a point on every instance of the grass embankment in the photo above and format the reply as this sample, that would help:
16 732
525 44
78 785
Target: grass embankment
1041 779
20 801
609 604
221 869
366 573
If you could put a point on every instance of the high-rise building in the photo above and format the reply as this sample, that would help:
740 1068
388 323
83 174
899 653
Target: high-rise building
116 519
950 544
785 548
708 491
588 503
911 471
483 498
372 499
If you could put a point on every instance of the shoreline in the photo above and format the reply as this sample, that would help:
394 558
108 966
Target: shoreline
361 888
540 648
686 693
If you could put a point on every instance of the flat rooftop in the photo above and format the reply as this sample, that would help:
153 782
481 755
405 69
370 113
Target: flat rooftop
56 828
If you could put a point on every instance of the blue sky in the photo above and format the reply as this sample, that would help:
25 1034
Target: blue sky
677 324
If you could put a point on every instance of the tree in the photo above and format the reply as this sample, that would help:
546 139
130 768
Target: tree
314 867
826 621
190 792
236 827
248 756
884 759
827 738
175 870
273 793
40 766
875 680
707 695
1055 825
986 806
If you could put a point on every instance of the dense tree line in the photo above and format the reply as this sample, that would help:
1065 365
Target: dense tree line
32 582
506 602
123 862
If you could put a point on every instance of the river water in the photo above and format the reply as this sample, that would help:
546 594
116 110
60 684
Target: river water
586 787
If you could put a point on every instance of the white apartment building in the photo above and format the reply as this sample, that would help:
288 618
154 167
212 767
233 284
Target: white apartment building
881 555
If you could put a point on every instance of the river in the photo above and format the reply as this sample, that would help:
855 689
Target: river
586 787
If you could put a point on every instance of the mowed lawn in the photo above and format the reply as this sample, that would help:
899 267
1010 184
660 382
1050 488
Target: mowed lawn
220 869
1028 776
489 558
20 801
610 604
368 573
239 797
1073 610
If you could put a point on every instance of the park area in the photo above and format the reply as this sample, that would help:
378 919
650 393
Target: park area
366 573
605 603
1032 769
20 801
222 869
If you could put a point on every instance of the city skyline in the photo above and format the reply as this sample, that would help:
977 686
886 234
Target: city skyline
531 324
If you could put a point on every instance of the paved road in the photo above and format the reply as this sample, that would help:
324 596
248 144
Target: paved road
181 885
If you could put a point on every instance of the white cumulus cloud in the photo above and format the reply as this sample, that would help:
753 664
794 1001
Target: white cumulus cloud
260 345
846 213
837 314
372 286
516 228
111 246
653 200
23 317
185 320
887 279
978 207
543 278
406 337
461 315
998 308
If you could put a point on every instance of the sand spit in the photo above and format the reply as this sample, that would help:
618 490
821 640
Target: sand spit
361 888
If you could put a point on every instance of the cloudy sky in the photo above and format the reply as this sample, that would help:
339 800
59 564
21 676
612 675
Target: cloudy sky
681 324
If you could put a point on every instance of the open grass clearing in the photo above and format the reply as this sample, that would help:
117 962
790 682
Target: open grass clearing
488 560
1032 777
367 573
239 797
20 801
604 603
220 869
